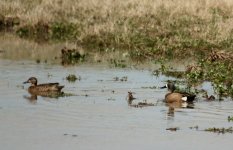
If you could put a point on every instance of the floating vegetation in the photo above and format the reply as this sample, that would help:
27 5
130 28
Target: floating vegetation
72 78
230 118
122 79
220 130
173 129
214 130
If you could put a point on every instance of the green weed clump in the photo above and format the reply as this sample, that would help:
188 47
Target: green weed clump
217 69
230 118
220 130
72 78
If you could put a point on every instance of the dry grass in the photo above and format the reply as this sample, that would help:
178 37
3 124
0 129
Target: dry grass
148 26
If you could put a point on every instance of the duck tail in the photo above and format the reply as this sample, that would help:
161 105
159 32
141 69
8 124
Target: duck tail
191 98
60 87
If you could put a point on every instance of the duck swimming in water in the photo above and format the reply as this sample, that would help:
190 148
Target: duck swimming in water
179 97
46 87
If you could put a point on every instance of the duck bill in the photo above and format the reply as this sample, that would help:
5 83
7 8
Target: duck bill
25 82
163 87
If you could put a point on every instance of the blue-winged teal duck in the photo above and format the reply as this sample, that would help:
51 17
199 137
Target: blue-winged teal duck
130 97
173 96
40 88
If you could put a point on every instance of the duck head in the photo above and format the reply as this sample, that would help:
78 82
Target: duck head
170 86
31 80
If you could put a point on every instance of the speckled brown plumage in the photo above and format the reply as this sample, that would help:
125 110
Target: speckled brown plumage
47 87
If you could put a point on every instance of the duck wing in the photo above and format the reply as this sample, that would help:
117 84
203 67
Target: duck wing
48 84
49 87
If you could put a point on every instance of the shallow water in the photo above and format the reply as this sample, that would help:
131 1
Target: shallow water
98 116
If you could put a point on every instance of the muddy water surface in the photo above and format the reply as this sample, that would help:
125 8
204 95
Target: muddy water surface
98 116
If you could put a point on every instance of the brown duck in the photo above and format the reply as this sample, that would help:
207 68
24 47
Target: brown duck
179 97
42 88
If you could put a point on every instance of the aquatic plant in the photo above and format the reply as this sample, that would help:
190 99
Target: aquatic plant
217 71
220 130
173 129
230 118
122 79
72 78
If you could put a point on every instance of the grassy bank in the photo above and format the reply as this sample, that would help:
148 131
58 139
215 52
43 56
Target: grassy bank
144 28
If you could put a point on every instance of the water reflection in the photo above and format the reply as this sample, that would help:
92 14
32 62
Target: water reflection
178 105
34 95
